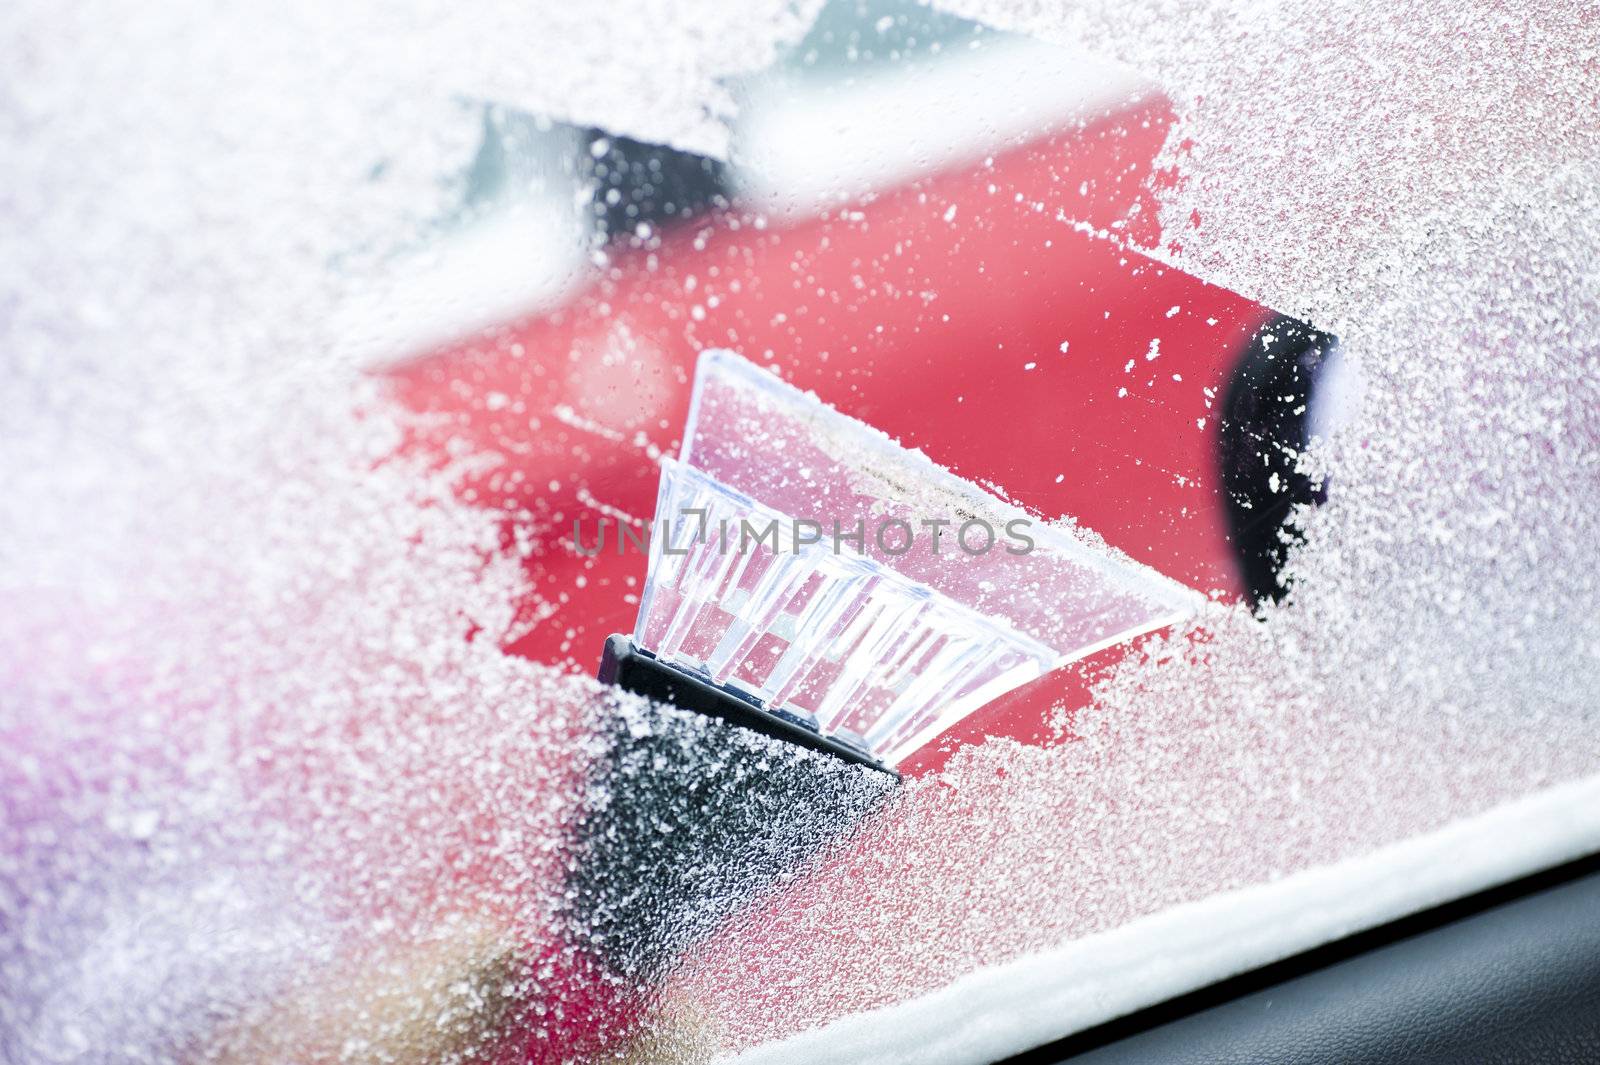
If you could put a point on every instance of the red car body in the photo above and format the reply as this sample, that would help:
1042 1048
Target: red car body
994 315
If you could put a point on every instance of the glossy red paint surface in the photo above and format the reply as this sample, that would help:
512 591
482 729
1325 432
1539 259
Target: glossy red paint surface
993 316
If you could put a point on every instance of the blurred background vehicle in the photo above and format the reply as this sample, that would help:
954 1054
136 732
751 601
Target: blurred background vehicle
933 226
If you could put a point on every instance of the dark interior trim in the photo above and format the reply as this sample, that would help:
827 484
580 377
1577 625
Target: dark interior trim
1313 961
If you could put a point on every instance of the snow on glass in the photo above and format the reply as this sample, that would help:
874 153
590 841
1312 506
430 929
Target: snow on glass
272 790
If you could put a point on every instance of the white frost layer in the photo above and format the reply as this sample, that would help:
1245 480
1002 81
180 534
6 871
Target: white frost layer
1006 1009
803 147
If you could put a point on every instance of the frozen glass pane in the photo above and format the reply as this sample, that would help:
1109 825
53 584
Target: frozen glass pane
347 350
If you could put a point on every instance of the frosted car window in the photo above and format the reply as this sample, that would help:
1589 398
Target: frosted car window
335 339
